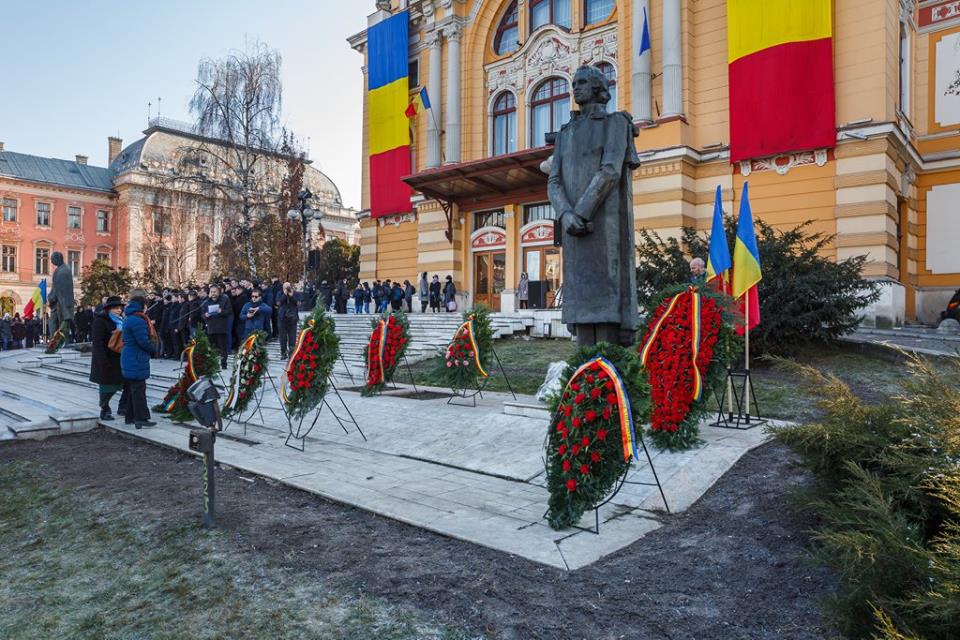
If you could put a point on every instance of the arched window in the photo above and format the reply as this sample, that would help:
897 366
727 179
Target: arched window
544 12
507 39
597 10
504 124
549 109
611 75
203 252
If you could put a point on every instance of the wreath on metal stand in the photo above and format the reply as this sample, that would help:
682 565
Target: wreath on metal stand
385 349
467 359
199 359
308 378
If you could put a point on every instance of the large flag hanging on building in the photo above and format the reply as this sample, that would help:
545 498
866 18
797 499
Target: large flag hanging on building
37 300
387 126
780 55
718 260
746 266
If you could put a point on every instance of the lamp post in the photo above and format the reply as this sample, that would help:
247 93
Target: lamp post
304 214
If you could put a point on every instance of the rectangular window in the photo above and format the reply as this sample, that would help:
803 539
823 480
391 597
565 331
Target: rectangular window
413 74
9 210
495 218
73 261
536 212
43 214
598 10
8 259
103 221
161 222
905 70
73 217
42 264
103 257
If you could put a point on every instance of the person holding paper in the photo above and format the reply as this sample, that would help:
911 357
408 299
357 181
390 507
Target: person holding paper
217 312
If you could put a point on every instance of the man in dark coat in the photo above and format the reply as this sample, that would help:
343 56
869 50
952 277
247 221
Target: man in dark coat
239 298
61 300
326 294
105 367
590 188
217 310
139 345
288 313
275 289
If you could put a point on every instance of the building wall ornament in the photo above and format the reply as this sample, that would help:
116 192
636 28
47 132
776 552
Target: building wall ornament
397 220
551 52
782 163
537 233
488 238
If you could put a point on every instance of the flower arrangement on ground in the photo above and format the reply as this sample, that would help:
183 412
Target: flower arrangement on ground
199 359
310 365
467 357
248 369
688 343
591 436
58 339
385 349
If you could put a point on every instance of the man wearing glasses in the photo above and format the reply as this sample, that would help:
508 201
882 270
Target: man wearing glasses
255 315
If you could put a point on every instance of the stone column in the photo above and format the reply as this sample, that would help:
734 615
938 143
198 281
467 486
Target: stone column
642 65
434 41
672 59
451 116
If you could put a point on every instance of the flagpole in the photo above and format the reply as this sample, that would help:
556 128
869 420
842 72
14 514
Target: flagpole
746 385
726 289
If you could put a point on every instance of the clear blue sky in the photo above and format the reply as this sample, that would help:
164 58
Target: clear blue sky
73 72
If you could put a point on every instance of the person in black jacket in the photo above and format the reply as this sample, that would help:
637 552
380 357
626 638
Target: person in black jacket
326 294
275 288
288 312
217 311
396 296
240 297
449 295
105 364
435 294
173 324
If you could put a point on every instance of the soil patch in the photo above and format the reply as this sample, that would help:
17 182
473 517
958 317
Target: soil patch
732 567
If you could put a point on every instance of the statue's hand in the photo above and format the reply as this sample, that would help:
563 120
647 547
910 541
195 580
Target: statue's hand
579 226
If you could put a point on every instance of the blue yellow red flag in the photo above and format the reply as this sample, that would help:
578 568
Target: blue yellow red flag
421 101
746 263
645 38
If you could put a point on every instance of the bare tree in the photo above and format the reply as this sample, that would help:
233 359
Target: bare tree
237 111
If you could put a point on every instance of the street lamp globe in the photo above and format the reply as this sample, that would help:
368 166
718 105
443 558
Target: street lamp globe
308 213
293 214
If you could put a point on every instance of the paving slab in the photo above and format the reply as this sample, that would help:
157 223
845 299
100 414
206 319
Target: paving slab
472 473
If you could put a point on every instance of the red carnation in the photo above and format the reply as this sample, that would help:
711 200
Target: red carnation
566 465
609 385
585 441
579 399
576 423
575 386
595 393
575 450
612 398
591 415
601 434
606 414
589 379
571 485
584 469
562 449
561 426
594 366
595 456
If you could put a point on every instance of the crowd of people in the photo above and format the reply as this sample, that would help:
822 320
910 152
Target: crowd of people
160 324
19 333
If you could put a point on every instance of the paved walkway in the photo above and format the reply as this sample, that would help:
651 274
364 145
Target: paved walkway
919 340
471 473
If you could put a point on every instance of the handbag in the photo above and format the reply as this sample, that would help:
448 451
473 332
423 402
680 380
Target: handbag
452 305
115 343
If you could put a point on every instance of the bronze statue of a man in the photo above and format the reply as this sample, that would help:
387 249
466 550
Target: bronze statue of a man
60 299
591 191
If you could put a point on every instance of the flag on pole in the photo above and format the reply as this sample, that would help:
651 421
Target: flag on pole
421 102
746 265
37 300
718 260
645 37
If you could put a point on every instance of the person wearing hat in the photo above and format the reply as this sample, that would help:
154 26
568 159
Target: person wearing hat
140 343
105 366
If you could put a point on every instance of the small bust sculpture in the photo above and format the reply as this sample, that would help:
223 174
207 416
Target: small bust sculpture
591 190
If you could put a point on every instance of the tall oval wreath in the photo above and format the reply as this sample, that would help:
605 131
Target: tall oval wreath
310 365
385 348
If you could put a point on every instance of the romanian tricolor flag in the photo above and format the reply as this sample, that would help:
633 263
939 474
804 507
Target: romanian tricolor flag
37 300
388 128
780 54
421 102
746 266
718 260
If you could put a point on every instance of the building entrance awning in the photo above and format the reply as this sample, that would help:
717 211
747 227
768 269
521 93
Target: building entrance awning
485 184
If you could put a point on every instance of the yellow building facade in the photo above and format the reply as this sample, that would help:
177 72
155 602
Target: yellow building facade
497 74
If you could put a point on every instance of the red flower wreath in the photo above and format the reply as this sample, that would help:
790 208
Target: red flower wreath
385 349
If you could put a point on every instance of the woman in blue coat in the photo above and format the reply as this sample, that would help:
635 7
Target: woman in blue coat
139 345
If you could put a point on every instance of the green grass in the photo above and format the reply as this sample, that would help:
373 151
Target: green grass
524 360
75 567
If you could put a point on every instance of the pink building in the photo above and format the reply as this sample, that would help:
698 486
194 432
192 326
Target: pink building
48 205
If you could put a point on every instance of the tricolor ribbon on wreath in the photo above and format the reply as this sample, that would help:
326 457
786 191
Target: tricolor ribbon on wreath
695 309
624 411
467 329
233 394
383 326
293 358
190 372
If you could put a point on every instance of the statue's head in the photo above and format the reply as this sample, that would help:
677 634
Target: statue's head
57 258
590 86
